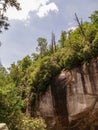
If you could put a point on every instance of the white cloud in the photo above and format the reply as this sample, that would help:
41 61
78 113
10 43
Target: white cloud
42 8
45 9
72 28
72 25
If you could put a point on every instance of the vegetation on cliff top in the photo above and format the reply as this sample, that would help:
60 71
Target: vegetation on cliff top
31 75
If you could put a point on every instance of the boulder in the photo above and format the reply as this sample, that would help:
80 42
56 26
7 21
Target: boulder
3 126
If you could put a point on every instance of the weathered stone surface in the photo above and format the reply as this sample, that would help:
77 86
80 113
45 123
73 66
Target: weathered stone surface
46 108
82 92
72 98
3 126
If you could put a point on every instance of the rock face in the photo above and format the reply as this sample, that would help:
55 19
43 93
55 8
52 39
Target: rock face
70 103
3 126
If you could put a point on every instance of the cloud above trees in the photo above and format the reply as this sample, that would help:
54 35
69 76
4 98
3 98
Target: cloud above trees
38 18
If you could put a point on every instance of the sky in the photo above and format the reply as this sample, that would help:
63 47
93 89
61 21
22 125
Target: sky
39 18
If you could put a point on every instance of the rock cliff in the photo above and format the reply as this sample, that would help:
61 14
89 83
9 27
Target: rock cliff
70 102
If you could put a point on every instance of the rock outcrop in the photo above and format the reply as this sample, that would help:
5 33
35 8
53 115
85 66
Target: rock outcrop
3 126
71 102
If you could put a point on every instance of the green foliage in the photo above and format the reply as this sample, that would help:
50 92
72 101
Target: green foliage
11 102
20 72
95 45
94 18
33 124
10 105
44 72
78 47
63 38
42 46
35 56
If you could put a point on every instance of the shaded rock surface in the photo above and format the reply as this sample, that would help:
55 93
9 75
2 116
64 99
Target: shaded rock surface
3 126
71 102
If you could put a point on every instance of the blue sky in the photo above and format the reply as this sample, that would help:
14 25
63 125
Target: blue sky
38 18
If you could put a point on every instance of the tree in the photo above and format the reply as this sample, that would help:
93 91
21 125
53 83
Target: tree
63 38
42 46
94 18
4 4
20 74
10 101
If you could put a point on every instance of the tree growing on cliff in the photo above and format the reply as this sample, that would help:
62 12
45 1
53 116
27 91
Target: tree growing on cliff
62 39
42 46
94 18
